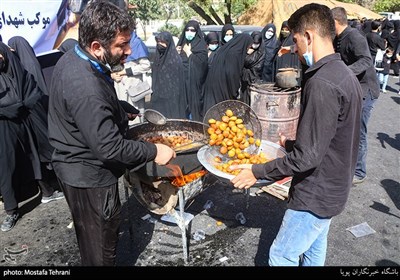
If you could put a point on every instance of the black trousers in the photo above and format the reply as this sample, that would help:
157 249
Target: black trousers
96 213
49 182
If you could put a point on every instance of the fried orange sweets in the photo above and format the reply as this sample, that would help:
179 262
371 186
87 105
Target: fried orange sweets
231 135
172 141
251 159
233 138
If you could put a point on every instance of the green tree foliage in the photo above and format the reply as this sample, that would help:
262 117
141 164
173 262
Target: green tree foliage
240 6
146 10
377 5
387 6
173 9
224 11
175 31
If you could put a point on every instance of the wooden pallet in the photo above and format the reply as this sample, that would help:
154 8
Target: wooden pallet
279 189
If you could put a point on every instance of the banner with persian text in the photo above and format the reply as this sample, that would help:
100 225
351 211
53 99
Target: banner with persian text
41 22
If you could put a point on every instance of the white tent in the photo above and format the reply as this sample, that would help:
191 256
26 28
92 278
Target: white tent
277 11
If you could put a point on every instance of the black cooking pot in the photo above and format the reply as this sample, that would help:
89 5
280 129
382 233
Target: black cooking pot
186 160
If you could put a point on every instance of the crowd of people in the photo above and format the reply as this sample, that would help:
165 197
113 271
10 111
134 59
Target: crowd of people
75 129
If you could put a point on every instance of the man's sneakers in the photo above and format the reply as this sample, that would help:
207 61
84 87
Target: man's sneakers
9 222
55 196
357 180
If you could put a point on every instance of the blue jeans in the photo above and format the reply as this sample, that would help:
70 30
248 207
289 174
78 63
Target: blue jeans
383 80
301 240
361 167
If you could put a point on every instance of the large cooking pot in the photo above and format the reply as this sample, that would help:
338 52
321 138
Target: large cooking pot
287 77
186 160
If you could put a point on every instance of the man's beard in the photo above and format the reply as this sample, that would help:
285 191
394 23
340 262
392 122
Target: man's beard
113 61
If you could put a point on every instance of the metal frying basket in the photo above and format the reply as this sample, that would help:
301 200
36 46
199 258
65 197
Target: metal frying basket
241 110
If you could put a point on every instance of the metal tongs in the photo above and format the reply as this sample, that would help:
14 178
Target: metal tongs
191 145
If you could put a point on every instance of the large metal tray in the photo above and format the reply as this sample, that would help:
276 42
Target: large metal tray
206 157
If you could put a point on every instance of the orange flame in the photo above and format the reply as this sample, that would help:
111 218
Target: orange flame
180 180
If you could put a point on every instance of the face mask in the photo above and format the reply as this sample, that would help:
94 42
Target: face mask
189 35
227 38
104 59
389 55
2 64
161 48
213 47
255 46
269 34
112 63
284 34
308 57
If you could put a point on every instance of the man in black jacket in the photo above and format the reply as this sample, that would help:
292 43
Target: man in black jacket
88 129
354 51
322 158
374 40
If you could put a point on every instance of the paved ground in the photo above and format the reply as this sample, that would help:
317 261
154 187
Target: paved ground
44 237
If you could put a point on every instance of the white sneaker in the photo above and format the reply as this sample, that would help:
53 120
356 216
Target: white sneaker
55 196
358 180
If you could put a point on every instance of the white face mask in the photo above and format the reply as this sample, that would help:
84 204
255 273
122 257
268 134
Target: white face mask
227 38
104 59
308 57
190 35
255 46
269 34
213 47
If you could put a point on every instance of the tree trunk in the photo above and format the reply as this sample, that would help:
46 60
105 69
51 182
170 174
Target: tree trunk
227 16
201 12
215 15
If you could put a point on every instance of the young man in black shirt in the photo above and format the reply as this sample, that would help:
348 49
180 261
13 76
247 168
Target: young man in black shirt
323 156
355 53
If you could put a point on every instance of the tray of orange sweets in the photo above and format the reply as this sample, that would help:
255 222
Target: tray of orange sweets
233 141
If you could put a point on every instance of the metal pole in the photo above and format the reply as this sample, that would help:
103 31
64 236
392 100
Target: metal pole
182 225
247 194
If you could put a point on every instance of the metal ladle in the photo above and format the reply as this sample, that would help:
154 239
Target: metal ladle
155 117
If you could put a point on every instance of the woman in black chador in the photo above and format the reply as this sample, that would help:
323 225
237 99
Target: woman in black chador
291 59
28 59
23 130
168 79
193 51
223 79
253 65
271 49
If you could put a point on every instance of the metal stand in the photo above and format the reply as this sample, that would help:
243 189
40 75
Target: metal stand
180 219
182 224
